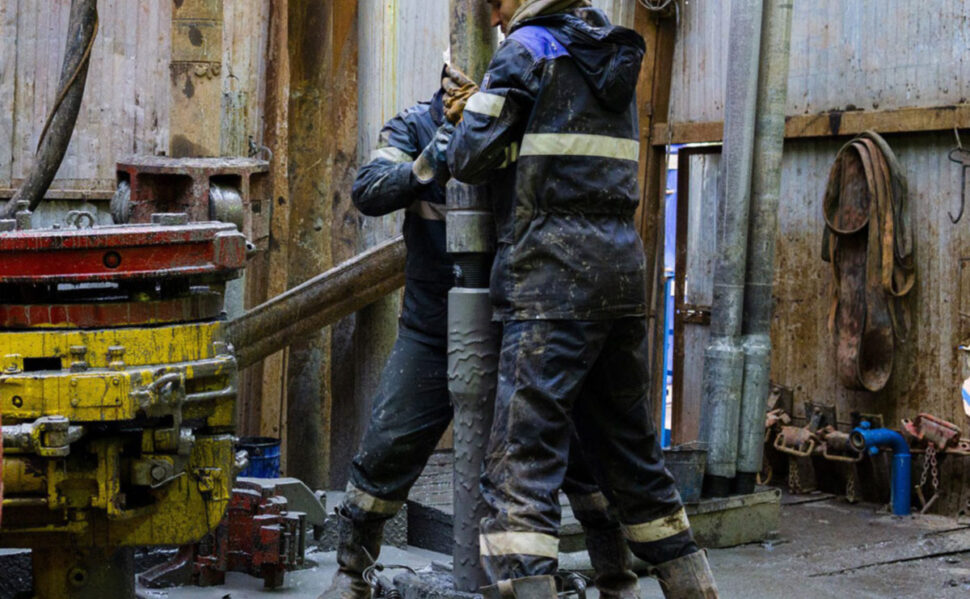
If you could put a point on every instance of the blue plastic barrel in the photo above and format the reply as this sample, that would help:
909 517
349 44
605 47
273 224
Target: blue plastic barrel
264 457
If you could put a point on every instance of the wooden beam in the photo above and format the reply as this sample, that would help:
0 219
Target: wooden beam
196 78
272 407
322 151
837 123
659 33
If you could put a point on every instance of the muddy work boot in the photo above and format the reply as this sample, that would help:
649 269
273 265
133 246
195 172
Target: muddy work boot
687 577
533 587
357 544
613 564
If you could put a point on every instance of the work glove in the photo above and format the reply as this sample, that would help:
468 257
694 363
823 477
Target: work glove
458 88
432 164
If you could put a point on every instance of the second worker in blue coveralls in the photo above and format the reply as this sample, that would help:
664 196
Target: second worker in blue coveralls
554 134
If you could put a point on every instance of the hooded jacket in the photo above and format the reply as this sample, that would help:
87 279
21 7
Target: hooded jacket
385 184
554 134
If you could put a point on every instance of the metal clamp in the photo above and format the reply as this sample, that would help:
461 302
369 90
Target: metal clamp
48 437
795 441
930 429
835 457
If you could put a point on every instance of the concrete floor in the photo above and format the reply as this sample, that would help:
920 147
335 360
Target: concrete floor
825 548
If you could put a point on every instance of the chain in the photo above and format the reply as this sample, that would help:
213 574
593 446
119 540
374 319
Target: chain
930 467
926 467
794 480
850 491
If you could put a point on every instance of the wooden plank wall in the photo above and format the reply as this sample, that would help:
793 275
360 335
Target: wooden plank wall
866 57
126 105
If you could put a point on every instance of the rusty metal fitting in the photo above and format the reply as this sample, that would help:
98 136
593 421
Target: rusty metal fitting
836 446
48 437
796 441
926 428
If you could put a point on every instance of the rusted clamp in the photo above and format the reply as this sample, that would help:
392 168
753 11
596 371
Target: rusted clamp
836 446
926 428
799 442
835 457
961 447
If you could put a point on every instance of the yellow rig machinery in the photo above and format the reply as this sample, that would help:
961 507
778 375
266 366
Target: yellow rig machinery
119 368
117 393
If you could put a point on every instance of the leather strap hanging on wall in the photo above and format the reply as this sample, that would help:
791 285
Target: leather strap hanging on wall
868 242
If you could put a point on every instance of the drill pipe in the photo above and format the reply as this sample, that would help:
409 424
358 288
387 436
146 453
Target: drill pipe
321 301
472 338
769 141
724 358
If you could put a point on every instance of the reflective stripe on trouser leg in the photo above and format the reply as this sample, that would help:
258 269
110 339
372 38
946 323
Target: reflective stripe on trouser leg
357 499
498 544
661 539
511 554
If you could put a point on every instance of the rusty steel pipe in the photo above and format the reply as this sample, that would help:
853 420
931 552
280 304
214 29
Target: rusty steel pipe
723 375
758 305
321 301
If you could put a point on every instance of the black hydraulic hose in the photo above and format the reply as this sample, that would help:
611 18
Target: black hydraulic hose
81 31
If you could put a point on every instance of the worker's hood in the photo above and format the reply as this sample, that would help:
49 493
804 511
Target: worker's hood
609 56
529 9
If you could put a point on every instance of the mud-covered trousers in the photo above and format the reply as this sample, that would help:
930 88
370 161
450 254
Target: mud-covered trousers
411 411
554 374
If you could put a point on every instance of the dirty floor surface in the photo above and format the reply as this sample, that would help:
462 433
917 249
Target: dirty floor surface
825 548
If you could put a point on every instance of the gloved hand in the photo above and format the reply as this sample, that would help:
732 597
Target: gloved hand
432 164
458 88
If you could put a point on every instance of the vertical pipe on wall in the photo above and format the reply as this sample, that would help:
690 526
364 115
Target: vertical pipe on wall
472 337
724 358
769 144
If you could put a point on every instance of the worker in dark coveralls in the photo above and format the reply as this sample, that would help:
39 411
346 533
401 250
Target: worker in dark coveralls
412 408
554 134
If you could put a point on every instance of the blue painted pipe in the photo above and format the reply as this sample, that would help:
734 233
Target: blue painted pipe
873 439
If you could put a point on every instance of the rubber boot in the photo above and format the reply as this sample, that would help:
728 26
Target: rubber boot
354 542
613 564
687 577
533 587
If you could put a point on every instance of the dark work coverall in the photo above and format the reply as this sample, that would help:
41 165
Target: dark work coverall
554 132
412 408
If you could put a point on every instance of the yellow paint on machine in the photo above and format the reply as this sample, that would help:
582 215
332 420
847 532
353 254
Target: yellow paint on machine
118 363
139 346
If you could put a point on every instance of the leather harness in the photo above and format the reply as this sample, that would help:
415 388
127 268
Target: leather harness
868 242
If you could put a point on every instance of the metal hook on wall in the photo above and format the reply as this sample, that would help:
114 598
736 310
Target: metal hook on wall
960 156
